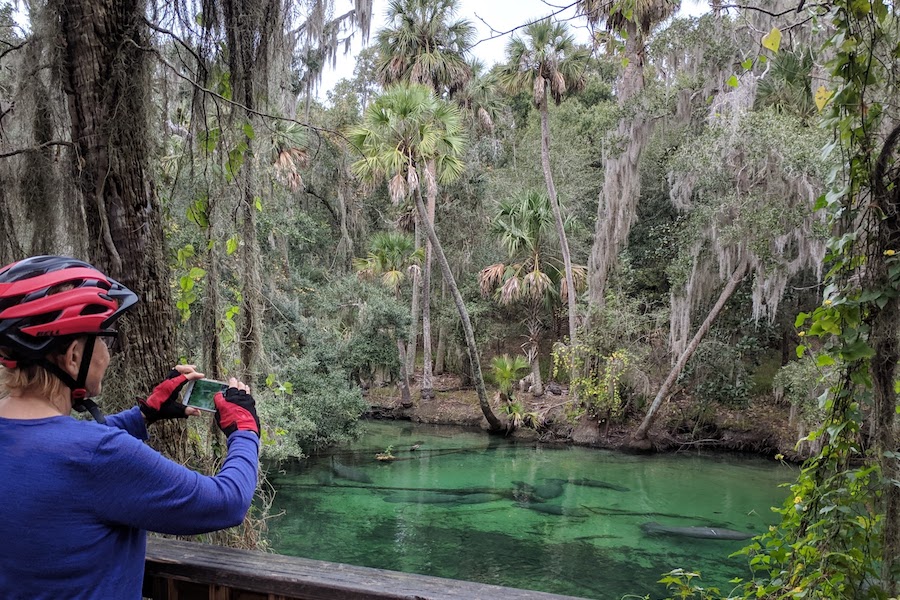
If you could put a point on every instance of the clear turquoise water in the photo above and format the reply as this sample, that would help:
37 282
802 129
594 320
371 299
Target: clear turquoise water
414 517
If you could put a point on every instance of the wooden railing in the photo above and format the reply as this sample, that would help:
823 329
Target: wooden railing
177 570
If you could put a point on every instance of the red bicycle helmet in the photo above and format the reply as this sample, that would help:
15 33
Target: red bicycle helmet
32 319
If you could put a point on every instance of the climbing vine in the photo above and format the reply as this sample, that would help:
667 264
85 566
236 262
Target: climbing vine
837 537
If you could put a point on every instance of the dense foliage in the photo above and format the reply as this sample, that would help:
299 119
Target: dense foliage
715 175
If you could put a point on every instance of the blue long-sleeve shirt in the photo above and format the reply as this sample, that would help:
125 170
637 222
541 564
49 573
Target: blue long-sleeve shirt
76 500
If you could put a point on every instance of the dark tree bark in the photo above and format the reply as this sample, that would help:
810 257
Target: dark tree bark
884 340
105 74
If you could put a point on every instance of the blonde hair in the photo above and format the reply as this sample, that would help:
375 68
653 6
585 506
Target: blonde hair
31 379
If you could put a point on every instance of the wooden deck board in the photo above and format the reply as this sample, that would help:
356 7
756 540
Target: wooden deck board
175 568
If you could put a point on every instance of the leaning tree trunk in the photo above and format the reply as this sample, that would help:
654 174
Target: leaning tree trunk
640 439
494 424
557 214
106 80
427 377
414 308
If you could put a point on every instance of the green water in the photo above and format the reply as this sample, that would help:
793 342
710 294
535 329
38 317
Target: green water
413 516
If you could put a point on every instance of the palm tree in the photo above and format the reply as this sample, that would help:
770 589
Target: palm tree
534 277
403 129
549 64
424 43
478 98
634 19
391 256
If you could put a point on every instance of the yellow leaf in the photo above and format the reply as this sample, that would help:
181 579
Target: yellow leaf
772 40
823 95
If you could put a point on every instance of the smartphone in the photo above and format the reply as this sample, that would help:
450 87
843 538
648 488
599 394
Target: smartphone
199 393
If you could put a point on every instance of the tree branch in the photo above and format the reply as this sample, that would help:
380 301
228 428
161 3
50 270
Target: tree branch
36 148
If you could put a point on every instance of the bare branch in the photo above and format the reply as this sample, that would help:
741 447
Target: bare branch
43 146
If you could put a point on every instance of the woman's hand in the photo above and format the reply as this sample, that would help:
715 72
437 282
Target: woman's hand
163 402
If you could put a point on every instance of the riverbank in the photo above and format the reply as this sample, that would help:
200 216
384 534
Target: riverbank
762 427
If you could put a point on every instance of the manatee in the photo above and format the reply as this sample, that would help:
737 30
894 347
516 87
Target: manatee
552 509
349 473
479 498
422 498
550 488
706 533
596 483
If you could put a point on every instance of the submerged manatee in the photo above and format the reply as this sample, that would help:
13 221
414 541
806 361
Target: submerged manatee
349 473
706 533
479 498
550 488
427 497
552 509
422 498
596 483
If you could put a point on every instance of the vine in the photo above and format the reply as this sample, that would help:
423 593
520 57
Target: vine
837 537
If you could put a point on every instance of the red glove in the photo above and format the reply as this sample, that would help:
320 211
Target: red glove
236 411
163 402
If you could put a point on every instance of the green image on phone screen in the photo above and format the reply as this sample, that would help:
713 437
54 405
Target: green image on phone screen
202 394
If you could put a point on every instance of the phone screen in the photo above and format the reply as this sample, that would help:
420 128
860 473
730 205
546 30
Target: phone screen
200 393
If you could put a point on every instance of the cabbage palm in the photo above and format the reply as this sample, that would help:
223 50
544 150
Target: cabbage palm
548 63
635 19
402 130
391 256
424 43
534 277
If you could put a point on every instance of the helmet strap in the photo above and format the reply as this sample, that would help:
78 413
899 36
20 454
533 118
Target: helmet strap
80 401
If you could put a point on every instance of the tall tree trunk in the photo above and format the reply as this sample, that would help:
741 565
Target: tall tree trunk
106 80
211 351
251 284
494 423
427 378
414 307
887 352
557 215
441 350
640 439
534 350
405 396
10 248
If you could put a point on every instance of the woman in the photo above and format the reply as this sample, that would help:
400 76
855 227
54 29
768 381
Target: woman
79 496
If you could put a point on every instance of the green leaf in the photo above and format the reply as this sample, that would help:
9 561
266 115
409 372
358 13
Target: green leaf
747 64
772 40
732 81
197 273
801 349
824 360
231 245
248 131
257 201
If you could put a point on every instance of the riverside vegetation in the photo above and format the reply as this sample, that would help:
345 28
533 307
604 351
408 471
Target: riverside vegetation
683 234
